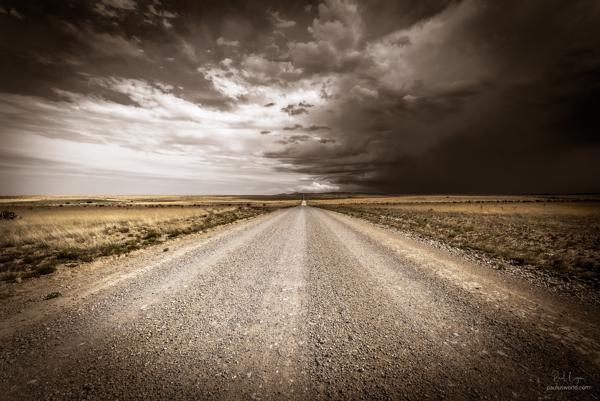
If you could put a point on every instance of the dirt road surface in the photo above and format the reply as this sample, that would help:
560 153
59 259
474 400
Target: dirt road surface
298 304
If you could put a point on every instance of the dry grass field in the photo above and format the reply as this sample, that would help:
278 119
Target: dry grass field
65 231
558 234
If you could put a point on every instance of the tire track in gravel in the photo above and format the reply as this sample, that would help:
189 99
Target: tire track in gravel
390 329
575 324
301 304
193 308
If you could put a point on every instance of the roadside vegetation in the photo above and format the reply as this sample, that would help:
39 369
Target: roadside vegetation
45 234
558 235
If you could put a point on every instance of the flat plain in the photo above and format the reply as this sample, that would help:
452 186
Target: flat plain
556 236
299 303
47 233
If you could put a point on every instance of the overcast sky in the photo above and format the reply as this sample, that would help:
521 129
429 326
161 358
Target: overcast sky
247 97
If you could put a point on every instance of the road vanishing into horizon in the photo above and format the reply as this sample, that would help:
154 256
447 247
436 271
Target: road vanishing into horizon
299 304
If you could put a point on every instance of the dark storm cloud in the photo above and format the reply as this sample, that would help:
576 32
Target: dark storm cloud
480 97
11 12
294 110
310 128
142 39
293 139
388 96
61 44
293 128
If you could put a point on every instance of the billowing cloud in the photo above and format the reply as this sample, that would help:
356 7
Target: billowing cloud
120 4
296 109
311 128
104 44
442 106
154 10
112 8
297 138
221 41
168 137
316 186
13 12
280 22
261 70
337 34
428 96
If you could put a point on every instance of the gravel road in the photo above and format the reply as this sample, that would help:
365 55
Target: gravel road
298 304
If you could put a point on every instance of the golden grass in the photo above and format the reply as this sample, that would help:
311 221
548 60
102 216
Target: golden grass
142 200
47 234
515 209
62 227
450 199
561 236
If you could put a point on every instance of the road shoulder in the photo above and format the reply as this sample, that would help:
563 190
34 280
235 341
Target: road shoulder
31 300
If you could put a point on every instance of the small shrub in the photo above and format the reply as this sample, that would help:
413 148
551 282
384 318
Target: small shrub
46 269
131 246
86 257
151 235
111 249
67 254
518 261
8 276
8 215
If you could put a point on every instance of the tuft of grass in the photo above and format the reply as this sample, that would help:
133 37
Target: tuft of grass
151 235
46 269
9 276
68 254
52 295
